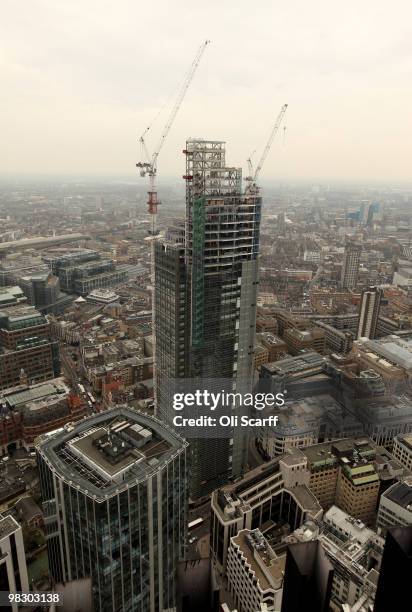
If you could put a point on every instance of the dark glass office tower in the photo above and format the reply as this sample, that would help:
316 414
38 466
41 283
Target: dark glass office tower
396 571
205 301
307 585
114 491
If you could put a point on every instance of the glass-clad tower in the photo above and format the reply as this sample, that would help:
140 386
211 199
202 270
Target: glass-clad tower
205 301
114 498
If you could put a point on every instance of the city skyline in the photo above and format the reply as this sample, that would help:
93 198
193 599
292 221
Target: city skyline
205 306
99 77
88 373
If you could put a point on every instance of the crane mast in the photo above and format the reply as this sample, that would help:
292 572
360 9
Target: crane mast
149 165
251 186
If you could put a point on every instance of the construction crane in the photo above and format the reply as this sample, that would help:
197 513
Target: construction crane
251 179
149 164
250 163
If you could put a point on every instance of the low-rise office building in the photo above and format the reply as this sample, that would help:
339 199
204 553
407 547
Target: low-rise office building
354 550
275 377
306 340
336 340
386 417
402 450
307 421
11 296
391 357
276 492
275 346
30 411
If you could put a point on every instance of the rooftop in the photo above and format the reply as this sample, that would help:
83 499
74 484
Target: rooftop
347 525
344 539
110 451
299 416
35 392
28 509
320 455
293 365
401 494
67 255
21 314
26 243
405 439
264 563
393 349
392 409
272 338
11 295
7 526
354 454
103 294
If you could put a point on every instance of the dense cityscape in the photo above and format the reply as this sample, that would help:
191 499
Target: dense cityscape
310 296
205 306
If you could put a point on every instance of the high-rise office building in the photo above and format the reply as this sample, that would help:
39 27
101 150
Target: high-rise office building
308 579
350 266
396 570
369 312
13 569
205 301
114 491
281 223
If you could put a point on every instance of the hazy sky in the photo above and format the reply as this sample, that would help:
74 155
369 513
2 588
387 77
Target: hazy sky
80 80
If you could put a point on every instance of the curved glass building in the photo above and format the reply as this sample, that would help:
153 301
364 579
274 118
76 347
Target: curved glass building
114 491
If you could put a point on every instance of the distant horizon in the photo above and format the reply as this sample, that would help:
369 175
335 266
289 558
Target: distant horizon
164 181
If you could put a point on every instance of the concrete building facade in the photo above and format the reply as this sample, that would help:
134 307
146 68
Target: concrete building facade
350 266
26 347
13 569
369 313
254 572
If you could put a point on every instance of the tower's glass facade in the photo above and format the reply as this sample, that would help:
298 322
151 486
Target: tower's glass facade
114 497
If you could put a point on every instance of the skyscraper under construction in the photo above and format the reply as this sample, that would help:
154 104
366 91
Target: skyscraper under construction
205 301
